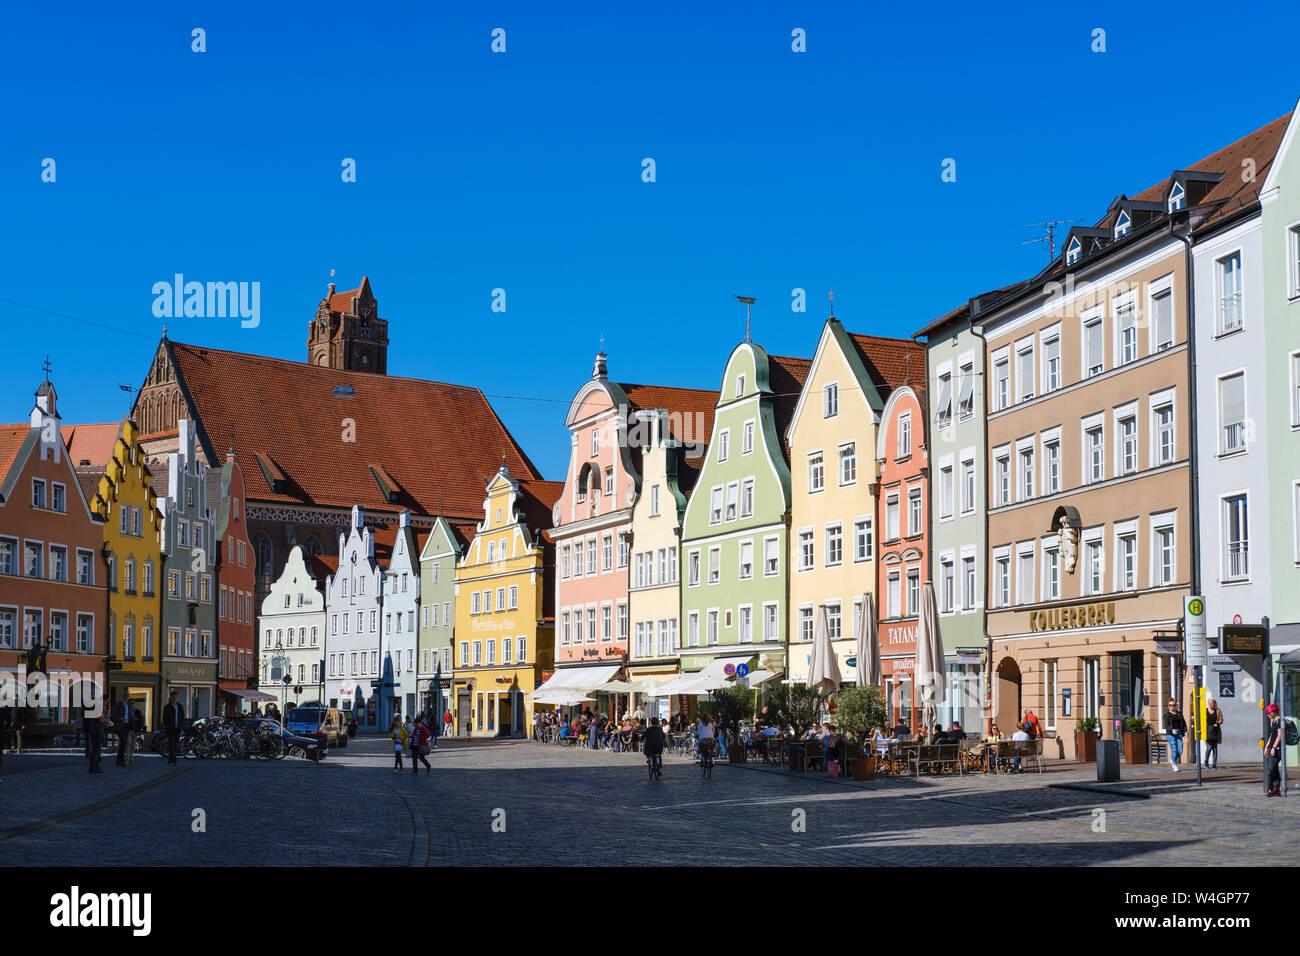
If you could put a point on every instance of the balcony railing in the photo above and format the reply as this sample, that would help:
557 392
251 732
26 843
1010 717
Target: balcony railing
1234 437
1230 312
1237 563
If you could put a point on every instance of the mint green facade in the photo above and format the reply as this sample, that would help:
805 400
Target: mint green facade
739 507
442 549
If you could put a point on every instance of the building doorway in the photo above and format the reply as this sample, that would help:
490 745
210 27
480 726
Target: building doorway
1006 690
505 715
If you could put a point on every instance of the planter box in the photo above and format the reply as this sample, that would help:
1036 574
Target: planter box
1135 747
736 753
863 768
1085 745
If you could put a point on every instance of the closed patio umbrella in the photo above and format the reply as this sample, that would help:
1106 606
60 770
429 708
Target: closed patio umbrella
823 672
868 648
931 682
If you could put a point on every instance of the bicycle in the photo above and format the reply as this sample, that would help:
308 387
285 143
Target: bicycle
706 757
656 764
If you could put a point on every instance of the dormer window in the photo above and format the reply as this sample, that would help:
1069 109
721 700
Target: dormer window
740 386
1177 198
1123 226
1073 251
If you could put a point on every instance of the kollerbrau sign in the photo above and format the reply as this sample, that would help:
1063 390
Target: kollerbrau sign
1081 615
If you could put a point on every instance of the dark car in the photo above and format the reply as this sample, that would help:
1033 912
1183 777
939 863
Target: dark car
295 745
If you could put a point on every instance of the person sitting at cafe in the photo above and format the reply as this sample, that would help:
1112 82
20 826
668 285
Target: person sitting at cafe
955 734
1020 734
813 731
901 730
771 730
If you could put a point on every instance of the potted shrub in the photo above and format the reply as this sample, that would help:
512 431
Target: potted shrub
731 706
1085 740
1135 740
860 710
795 708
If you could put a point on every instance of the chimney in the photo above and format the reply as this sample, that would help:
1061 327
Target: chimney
404 519
358 516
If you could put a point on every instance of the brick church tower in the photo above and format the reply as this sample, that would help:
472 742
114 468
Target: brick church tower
347 332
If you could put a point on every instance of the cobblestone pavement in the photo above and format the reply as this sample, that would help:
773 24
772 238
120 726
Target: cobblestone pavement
517 802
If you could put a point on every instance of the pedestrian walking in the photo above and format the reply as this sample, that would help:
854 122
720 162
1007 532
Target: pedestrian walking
6 722
1175 727
447 727
93 727
122 724
1273 750
173 719
420 746
1213 734
137 728
400 737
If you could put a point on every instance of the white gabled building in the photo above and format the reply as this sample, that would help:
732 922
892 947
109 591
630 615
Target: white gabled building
353 599
401 692
292 625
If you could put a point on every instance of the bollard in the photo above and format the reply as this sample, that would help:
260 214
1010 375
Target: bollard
1107 761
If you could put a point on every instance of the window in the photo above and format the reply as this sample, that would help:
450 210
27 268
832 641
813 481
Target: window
501 603
591 625
733 492
1162 320
831 400
607 553
1025 577
724 444
1052 362
476 603
894 597
86 568
943 412
521 650
715 565
1094 362
59 566
1229 277
966 391
38 498
1002 479
745 617
771 623
34 562
491 652
1177 198
747 439
713 627
945 491
969 595
771 557
693 568
565 631
1126 560
834 545
891 518
1295 389
654 501
862 543
85 634
1026 473
487 601
595 442
59 631
609 481
478 653
638 564
747 498
591 556
1232 413
1236 544
816 472
8 623
914 517
640 639
564 563
967 486
1123 225
1094 442
740 386
624 550
848 463
693 629
947 585
1001 580
746 560
1051 573
715 506
1093 559
1051 465
1073 251
1163 427
806 625
905 435
1024 372
834 625
59 501
807 553
1164 560
1126 329
1001 380
9 557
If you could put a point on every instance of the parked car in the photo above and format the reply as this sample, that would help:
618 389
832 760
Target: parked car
293 743
318 720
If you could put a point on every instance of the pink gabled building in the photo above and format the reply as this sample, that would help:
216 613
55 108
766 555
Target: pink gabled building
592 520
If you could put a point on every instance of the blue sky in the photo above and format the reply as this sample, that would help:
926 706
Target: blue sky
775 170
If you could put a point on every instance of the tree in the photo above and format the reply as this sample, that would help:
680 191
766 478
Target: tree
731 706
796 706
860 710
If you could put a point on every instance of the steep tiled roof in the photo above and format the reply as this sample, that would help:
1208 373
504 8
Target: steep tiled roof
322 566
891 362
11 440
786 377
92 443
698 403
342 301
538 499
434 440
88 477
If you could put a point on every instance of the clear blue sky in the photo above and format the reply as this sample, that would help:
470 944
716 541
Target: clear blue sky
522 170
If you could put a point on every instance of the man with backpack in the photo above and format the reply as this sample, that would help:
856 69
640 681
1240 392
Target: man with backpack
420 745
1032 727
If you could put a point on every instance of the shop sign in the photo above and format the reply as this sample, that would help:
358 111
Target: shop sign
1066 618
1169 648
900 633
1222 663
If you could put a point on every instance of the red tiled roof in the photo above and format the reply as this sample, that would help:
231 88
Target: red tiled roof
11 440
786 377
342 301
891 362
697 403
322 566
88 477
539 498
92 443
1260 147
434 439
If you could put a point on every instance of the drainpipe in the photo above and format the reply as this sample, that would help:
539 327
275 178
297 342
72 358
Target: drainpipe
984 416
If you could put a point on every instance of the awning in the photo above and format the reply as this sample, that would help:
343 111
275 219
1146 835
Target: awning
754 678
248 694
577 679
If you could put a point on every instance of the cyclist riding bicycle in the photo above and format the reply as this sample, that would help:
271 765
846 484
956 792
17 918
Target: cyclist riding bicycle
653 746
706 733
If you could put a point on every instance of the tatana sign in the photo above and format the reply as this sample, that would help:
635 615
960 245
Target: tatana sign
1194 631
1062 618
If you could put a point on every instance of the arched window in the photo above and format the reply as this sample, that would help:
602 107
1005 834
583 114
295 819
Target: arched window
265 557
313 547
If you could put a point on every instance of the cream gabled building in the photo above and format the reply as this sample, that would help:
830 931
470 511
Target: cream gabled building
833 471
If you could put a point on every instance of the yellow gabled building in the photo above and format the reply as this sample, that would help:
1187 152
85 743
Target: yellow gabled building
125 501
505 620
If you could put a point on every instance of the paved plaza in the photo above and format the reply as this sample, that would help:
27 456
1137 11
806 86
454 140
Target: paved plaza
518 802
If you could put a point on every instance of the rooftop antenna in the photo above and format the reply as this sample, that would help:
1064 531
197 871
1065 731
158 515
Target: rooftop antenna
830 297
749 304
1050 238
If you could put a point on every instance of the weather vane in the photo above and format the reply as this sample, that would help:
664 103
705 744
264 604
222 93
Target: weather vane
749 304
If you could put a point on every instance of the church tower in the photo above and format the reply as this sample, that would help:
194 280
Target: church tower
347 332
